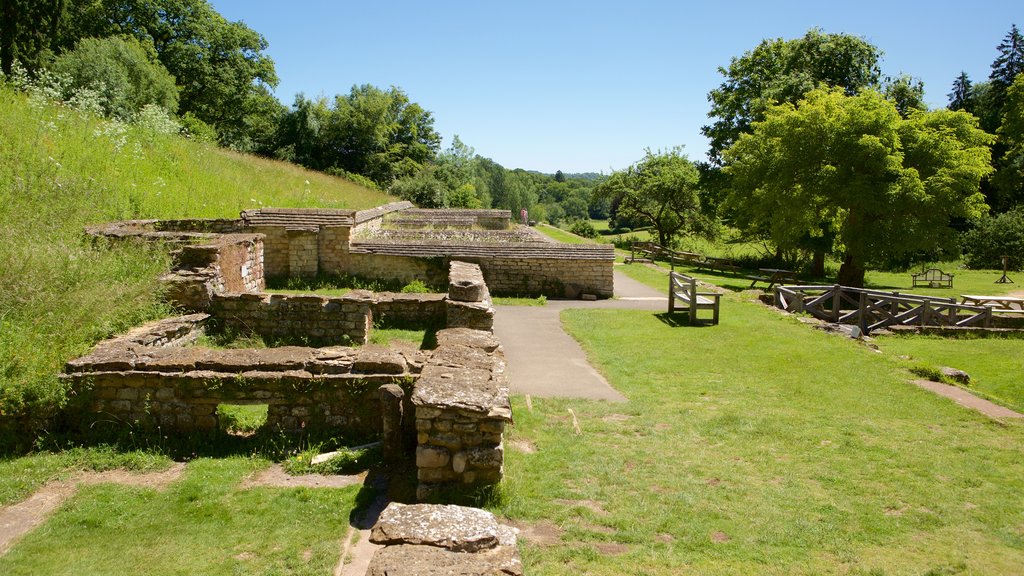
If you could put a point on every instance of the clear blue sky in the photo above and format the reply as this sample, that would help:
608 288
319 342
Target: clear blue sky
585 86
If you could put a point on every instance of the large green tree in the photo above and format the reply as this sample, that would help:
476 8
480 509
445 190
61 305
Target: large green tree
853 168
221 67
123 72
379 134
28 32
778 71
662 190
1009 176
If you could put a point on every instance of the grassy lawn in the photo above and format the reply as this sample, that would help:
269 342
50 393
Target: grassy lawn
797 452
204 523
565 236
996 365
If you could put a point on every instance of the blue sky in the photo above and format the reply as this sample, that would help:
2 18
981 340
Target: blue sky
586 86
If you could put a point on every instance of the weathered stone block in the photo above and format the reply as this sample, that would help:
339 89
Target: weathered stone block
432 457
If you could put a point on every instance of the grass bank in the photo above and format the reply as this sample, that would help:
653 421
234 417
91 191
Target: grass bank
60 171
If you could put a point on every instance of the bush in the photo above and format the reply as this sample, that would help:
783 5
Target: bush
123 71
994 237
583 228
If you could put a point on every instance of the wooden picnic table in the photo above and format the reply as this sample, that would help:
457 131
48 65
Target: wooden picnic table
773 276
999 303
721 264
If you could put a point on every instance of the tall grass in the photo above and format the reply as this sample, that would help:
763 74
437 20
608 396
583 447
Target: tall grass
61 170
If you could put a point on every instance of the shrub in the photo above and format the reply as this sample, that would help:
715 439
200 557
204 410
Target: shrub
123 71
994 237
583 228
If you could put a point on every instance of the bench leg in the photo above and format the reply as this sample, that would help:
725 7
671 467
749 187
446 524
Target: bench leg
714 319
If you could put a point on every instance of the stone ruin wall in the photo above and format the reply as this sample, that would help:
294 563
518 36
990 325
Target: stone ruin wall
457 394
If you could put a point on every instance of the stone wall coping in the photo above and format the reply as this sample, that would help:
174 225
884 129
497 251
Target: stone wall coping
378 212
428 249
481 387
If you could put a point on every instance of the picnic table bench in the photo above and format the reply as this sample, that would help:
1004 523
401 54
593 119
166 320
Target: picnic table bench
643 252
773 276
720 264
933 278
1002 304
684 288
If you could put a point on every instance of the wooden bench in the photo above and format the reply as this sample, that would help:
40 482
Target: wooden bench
932 278
684 288
773 276
720 264
647 252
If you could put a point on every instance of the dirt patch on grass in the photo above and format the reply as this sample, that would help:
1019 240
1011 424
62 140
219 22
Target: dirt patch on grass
276 477
719 537
19 519
665 538
542 533
613 418
592 505
155 480
524 446
611 548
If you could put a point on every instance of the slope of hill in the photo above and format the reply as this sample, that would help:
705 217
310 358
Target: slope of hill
61 170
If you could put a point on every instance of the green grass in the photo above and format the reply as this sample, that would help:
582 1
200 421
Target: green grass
978 282
242 418
61 171
996 365
512 301
202 524
564 236
21 476
385 336
760 446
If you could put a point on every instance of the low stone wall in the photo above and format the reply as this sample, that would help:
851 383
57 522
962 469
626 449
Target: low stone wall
461 404
453 218
319 320
553 270
148 378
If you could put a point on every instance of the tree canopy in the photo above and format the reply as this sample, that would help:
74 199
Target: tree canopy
779 71
852 167
123 72
661 189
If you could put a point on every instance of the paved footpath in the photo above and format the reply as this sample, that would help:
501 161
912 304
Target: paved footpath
544 361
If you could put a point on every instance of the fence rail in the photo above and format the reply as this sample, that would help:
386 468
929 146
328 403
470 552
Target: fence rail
875 309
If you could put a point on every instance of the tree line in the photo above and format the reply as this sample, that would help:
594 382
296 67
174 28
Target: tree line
816 153
812 149
215 77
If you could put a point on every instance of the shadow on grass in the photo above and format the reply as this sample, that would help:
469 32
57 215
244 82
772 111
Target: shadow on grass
681 319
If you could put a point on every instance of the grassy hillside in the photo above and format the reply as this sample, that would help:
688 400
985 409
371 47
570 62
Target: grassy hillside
59 171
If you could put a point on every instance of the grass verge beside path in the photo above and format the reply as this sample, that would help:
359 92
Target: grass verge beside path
996 365
204 523
761 447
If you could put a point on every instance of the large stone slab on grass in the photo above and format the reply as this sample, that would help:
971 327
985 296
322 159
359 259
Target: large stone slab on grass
456 528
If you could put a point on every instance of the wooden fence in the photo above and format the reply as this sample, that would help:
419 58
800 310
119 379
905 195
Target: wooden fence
875 309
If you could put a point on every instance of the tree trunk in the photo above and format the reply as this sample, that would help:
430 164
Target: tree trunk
818 264
851 273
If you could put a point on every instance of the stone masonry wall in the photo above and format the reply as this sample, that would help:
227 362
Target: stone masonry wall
284 317
148 378
513 276
230 262
461 405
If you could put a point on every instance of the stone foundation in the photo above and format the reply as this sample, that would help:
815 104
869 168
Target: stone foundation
461 404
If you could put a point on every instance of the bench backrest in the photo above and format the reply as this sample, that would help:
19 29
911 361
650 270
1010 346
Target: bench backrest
933 274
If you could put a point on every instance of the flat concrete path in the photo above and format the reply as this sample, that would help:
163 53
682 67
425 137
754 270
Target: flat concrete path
968 400
546 362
